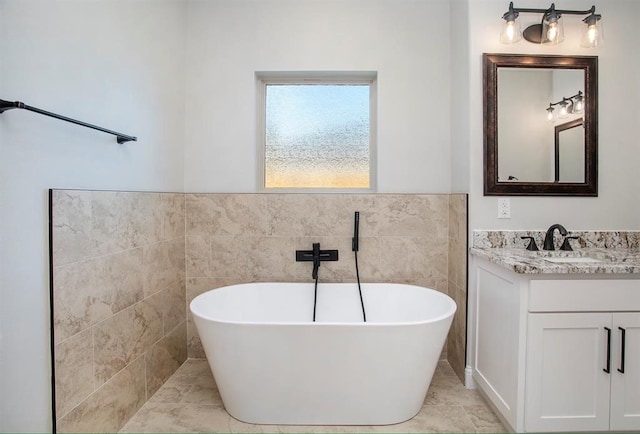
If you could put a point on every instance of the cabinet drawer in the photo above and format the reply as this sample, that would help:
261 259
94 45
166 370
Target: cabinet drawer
584 295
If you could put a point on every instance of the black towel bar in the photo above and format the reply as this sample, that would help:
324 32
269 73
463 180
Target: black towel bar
8 105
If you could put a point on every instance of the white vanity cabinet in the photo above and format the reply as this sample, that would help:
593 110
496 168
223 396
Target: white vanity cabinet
573 373
625 389
547 349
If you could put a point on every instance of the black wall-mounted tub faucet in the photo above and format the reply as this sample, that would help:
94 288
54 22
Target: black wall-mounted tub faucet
316 255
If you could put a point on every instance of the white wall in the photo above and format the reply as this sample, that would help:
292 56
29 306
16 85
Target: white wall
617 207
406 42
118 64
460 94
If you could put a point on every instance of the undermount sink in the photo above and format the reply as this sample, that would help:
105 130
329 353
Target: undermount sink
572 260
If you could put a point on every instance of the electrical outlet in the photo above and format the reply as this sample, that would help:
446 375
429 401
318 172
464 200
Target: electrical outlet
504 208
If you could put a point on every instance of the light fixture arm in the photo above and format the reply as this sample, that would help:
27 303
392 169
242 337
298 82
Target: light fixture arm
565 99
546 11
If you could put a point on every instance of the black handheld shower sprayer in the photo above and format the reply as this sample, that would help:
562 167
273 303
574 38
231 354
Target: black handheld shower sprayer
354 247
356 225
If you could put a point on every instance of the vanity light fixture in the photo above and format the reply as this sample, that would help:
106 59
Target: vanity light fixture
550 30
568 105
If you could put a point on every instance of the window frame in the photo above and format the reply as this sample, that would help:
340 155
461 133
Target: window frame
263 79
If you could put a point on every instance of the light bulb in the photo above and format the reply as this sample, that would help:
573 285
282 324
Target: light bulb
578 106
592 36
552 32
552 28
550 116
563 111
511 29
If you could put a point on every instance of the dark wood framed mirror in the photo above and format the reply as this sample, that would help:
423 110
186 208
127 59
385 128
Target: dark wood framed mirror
520 129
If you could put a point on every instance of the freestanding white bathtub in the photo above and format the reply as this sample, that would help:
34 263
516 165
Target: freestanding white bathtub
273 365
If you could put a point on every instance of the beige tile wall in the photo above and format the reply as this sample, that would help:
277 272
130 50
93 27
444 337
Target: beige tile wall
118 303
236 238
123 261
456 342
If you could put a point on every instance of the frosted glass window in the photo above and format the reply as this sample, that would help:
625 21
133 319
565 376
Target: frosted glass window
317 136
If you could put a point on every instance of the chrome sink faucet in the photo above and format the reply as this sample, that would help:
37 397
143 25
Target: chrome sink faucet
548 239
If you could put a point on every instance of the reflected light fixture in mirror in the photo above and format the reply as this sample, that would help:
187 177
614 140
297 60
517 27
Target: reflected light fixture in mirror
568 105
551 29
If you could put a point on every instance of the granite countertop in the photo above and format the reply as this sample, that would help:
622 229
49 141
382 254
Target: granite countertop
610 252
520 260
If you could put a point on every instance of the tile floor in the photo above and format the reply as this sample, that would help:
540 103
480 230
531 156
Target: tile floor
189 402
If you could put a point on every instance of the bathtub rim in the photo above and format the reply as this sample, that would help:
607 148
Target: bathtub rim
453 307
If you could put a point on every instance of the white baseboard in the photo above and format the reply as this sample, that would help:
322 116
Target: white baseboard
469 382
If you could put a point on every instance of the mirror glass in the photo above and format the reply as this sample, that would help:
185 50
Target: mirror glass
569 152
525 137
540 125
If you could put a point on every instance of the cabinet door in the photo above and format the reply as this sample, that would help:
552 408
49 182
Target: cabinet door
566 387
625 387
